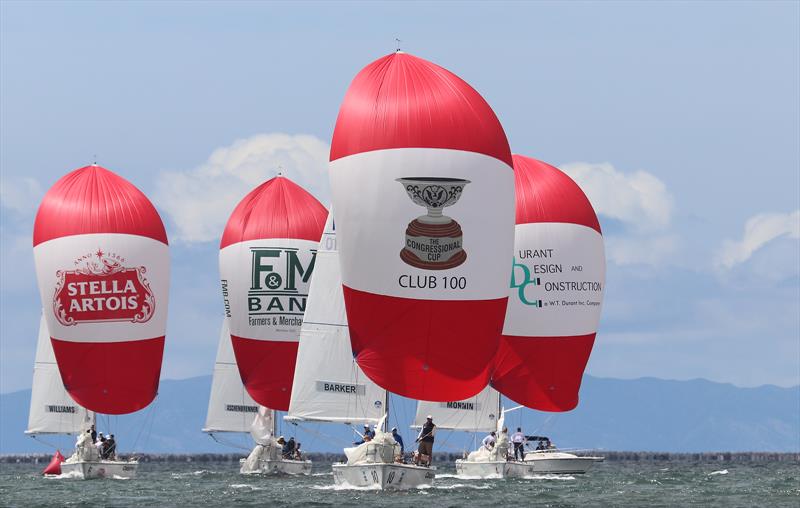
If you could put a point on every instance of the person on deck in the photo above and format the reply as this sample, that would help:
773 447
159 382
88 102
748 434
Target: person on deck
488 441
425 440
518 438
288 449
100 444
368 435
399 440
297 454
94 434
111 452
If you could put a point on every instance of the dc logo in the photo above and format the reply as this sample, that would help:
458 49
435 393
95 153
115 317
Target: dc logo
273 280
524 283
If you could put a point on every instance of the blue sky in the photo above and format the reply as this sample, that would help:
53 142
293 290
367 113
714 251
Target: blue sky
680 120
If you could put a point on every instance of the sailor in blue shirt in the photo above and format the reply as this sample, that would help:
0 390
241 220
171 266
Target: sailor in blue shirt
397 437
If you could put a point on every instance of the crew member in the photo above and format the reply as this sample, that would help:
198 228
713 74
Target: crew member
288 449
518 438
111 452
425 440
399 439
488 441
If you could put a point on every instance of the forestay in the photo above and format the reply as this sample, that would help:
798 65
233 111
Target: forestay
52 409
476 414
328 384
230 407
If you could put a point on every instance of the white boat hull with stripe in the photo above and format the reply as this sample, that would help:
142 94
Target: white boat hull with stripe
547 462
383 476
91 469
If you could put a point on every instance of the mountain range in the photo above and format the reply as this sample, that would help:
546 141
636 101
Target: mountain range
644 414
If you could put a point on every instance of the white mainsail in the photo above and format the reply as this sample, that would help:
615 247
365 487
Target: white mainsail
52 410
476 414
230 408
328 384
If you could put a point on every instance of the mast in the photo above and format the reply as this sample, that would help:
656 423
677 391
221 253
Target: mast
386 405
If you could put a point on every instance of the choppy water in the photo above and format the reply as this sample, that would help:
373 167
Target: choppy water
609 484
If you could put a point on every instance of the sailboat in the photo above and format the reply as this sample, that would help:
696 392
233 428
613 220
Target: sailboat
102 266
266 259
329 386
481 413
232 410
52 410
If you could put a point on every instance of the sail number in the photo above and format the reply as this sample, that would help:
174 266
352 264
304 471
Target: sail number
431 282
374 476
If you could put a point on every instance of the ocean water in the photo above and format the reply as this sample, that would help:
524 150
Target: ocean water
608 484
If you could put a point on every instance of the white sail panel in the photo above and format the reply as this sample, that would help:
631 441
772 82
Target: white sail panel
52 409
230 408
328 384
477 414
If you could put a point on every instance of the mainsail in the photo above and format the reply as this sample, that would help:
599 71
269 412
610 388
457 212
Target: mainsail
423 187
475 414
230 407
556 290
328 384
102 264
266 260
52 410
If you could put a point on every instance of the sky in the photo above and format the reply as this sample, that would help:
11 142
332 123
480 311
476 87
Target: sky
680 120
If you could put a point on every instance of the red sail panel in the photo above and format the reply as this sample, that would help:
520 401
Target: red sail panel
267 257
102 264
423 190
556 293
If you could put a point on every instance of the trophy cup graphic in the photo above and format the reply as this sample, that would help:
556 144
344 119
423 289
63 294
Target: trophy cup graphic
433 241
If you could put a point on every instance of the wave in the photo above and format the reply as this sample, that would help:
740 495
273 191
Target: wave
193 473
714 473
466 477
549 477
64 476
456 486
246 486
345 486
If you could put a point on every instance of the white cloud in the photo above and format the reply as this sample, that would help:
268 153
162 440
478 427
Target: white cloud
639 201
758 232
199 201
21 195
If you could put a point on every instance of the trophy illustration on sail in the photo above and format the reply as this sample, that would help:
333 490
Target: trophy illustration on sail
434 241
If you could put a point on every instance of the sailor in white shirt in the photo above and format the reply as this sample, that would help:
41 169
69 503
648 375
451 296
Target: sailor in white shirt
488 441
519 444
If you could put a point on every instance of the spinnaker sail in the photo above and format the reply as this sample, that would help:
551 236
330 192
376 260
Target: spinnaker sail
556 290
423 188
102 264
266 260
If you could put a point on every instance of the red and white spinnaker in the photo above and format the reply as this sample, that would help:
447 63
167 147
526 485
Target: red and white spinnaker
266 259
556 290
102 264
423 188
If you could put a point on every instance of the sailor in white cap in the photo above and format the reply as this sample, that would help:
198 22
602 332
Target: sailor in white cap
425 440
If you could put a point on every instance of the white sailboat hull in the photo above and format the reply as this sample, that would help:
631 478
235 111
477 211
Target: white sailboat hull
559 463
279 466
383 476
493 469
91 469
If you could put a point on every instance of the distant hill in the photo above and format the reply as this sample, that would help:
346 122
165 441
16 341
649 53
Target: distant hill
638 415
